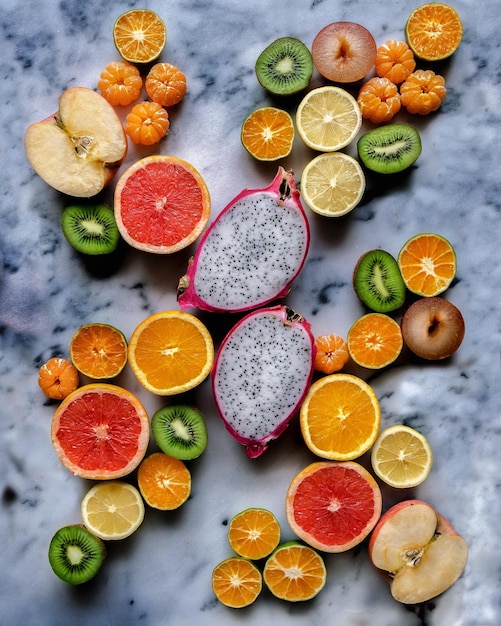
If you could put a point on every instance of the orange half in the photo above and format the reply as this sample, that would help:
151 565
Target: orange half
99 351
434 31
268 134
375 340
139 35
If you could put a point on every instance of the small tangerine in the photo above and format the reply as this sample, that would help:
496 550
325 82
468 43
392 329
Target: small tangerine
165 84
379 100
147 123
423 92
120 83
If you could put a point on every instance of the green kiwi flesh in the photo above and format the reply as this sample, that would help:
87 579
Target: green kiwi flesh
389 149
378 282
180 431
90 229
285 66
75 554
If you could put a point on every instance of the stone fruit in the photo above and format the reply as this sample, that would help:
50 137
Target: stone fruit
344 52
433 328
252 251
79 149
261 374
420 551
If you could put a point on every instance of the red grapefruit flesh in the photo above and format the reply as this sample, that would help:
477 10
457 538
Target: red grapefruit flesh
162 204
332 505
100 432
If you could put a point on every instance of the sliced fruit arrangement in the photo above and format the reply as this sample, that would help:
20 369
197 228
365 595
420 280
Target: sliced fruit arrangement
419 550
251 253
254 533
152 213
98 351
340 417
284 67
333 506
295 572
268 134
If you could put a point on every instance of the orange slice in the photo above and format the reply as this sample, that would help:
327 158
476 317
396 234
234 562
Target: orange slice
139 35
57 378
331 355
295 572
401 457
164 482
112 510
427 263
340 417
237 582
268 134
171 352
100 431
333 506
254 533
375 340
99 351
434 31
162 204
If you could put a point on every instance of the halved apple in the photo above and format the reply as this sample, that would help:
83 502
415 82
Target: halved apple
419 550
79 149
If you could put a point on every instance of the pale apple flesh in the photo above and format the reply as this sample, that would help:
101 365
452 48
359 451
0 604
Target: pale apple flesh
419 550
79 149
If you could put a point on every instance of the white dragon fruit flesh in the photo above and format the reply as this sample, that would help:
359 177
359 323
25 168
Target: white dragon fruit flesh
251 252
261 374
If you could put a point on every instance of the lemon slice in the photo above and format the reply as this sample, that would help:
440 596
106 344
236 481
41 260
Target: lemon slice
328 118
112 509
401 456
332 184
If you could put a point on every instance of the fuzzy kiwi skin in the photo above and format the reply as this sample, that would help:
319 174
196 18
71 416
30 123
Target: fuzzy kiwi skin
366 286
184 446
389 149
103 239
94 554
284 84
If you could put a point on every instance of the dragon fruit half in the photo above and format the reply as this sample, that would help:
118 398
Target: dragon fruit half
261 374
252 251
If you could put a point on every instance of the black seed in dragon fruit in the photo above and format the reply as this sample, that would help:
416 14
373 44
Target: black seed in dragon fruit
251 253
261 374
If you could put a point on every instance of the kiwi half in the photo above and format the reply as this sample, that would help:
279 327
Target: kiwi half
285 66
180 431
389 149
75 554
378 282
90 229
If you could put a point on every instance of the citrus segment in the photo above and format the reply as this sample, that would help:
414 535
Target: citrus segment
165 84
375 340
162 204
164 482
331 355
237 582
427 263
139 35
99 351
328 118
295 572
120 83
333 505
100 431
112 510
332 184
254 533
171 352
340 417
401 456
434 31
147 123
268 134
57 378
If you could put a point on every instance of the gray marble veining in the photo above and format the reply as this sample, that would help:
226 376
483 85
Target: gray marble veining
161 575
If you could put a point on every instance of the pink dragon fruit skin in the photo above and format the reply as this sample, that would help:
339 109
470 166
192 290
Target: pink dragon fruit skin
261 374
251 253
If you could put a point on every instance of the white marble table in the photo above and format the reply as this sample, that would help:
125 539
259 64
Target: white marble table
161 575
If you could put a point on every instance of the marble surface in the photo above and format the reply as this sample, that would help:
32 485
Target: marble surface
161 575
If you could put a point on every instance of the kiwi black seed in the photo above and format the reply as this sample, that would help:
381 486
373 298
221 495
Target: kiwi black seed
378 282
75 554
389 149
180 431
285 66
91 229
